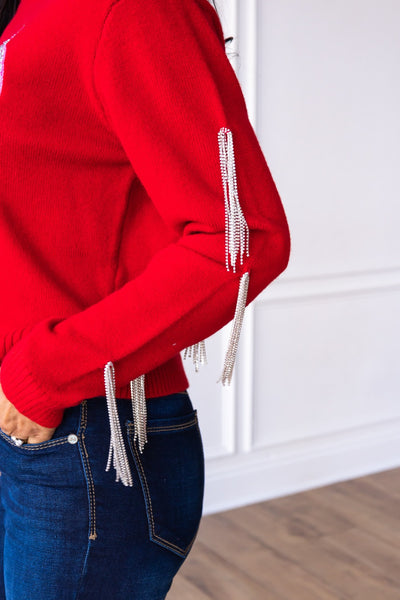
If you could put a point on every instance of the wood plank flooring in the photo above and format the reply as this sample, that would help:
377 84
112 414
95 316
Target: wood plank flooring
336 542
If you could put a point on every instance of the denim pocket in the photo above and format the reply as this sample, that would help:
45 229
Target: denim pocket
171 472
54 441
66 432
55 462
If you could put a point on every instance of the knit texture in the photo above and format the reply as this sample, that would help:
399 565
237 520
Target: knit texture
112 225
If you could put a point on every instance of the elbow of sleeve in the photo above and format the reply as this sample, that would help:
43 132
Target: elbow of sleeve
270 258
283 247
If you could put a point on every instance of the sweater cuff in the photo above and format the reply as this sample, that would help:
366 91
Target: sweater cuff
24 393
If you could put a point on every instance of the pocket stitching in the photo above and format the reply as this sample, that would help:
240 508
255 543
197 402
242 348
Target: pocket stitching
87 470
131 425
43 445
148 503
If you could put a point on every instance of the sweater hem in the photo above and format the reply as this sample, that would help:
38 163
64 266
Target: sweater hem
165 379
30 400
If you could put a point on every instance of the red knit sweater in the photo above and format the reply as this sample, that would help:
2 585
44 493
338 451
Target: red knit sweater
115 185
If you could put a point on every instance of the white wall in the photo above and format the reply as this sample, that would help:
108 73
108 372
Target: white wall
315 397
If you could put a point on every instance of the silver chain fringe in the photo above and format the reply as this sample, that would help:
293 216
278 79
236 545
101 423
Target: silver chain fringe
139 410
236 242
198 353
236 245
3 50
117 452
236 228
230 355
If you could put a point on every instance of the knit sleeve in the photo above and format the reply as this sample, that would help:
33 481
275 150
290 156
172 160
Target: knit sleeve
169 93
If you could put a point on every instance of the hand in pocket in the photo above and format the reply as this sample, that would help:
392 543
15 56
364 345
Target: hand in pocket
14 423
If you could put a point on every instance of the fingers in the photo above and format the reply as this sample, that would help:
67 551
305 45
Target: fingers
20 427
38 439
33 437
29 440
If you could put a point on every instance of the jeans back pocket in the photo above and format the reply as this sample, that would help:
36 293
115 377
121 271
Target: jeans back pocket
171 472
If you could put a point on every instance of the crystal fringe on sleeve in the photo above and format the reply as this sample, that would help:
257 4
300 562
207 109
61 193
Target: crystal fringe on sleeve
3 50
198 353
139 410
236 228
230 355
236 245
117 452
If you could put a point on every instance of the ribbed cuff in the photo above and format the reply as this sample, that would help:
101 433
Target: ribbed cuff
24 393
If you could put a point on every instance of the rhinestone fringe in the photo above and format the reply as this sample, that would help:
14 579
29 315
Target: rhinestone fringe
3 49
139 410
236 243
198 353
236 228
117 453
230 355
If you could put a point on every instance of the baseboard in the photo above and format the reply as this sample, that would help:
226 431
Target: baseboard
300 465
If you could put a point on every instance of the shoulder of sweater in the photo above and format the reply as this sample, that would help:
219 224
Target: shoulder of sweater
168 12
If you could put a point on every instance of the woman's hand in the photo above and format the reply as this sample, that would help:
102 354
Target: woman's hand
12 422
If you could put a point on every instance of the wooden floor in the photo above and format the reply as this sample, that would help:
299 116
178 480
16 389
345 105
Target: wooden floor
336 542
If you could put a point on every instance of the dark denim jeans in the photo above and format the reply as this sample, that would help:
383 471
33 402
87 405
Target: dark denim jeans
69 531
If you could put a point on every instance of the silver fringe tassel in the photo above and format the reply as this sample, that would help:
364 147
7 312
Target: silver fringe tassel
3 50
139 410
117 452
236 245
198 353
230 355
236 228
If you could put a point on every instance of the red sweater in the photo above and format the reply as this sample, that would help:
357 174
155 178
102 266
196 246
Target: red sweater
127 161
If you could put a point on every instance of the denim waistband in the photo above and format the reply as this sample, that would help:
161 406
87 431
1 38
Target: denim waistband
158 407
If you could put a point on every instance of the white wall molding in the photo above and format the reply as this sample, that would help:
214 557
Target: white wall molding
328 285
246 70
301 465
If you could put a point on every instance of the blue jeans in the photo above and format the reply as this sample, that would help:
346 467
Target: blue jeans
69 531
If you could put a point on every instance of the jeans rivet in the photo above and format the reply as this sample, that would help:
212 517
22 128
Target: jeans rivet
72 438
